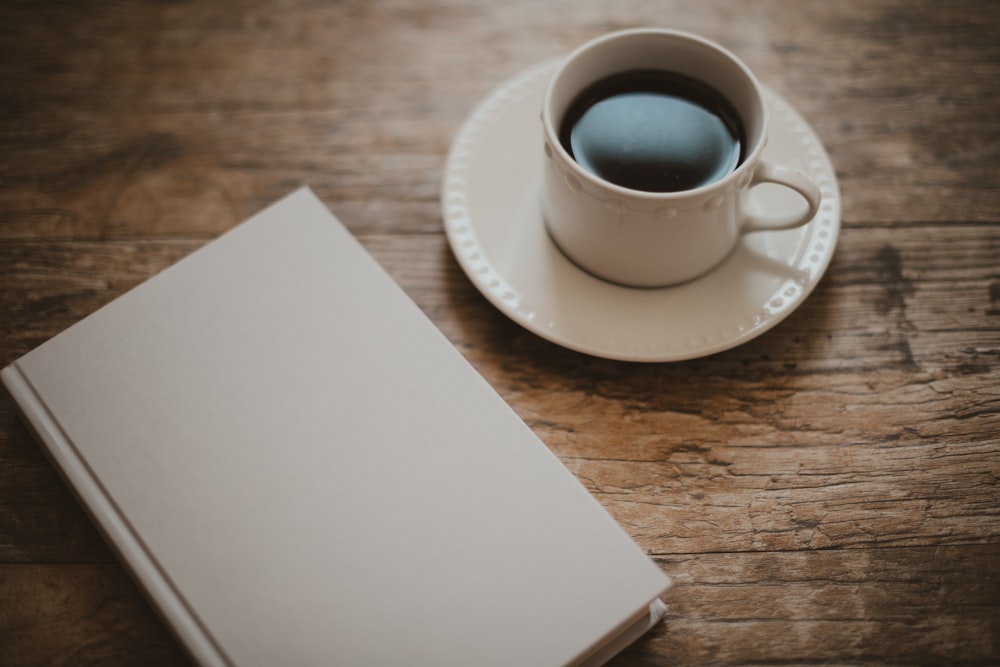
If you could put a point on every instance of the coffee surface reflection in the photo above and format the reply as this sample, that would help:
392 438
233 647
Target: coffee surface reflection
654 130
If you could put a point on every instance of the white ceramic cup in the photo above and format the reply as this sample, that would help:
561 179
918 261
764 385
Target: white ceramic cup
654 239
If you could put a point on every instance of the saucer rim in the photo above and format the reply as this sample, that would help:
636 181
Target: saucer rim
460 227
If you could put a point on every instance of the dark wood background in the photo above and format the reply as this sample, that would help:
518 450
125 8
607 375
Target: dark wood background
827 493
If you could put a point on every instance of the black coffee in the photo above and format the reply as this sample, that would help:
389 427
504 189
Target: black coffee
654 130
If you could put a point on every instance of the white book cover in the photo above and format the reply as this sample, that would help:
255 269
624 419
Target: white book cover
300 469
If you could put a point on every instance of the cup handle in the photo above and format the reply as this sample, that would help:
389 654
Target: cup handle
790 178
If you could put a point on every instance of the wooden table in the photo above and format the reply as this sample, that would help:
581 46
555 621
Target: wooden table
826 493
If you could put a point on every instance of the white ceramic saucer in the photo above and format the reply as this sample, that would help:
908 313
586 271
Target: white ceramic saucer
493 220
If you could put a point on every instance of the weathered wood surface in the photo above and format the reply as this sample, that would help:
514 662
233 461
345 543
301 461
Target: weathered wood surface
825 493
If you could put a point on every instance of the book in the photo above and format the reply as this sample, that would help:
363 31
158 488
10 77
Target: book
299 468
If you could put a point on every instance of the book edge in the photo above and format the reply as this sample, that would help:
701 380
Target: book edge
112 524
633 628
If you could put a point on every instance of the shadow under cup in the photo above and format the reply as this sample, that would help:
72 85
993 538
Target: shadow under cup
638 237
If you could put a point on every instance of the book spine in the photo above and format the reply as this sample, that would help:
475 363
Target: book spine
109 519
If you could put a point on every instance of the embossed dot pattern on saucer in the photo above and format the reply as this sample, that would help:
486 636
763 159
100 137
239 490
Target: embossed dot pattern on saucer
494 225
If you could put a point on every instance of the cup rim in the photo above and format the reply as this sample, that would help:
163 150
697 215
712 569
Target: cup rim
552 134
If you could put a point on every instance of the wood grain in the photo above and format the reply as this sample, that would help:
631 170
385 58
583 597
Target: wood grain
79 614
825 493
